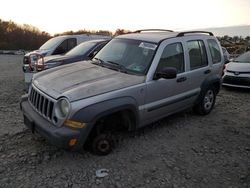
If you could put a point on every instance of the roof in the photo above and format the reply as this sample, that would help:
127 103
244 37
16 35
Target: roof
97 40
156 37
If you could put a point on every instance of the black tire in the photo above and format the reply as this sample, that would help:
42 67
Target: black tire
206 101
102 144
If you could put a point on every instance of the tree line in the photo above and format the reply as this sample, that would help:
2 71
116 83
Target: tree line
27 37
235 44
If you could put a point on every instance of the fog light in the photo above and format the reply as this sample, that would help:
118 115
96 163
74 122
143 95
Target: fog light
74 124
72 142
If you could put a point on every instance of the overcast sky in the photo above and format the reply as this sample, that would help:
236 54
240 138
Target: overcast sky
55 16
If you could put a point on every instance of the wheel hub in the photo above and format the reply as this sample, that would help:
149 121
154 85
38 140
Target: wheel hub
208 100
103 145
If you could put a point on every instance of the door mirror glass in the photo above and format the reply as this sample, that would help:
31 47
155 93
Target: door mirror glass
166 73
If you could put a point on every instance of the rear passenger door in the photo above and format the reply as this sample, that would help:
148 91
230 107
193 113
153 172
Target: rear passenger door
198 67
215 57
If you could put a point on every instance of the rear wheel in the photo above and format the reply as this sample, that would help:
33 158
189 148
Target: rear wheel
207 101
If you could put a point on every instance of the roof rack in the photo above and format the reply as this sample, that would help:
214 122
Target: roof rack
165 30
181 34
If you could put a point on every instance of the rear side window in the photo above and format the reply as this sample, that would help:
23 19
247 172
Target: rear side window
172 56
214 50
71 43
197 54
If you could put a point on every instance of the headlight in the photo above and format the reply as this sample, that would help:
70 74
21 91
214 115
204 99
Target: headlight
62 108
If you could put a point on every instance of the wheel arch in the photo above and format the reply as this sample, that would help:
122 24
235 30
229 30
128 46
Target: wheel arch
92 113
214 81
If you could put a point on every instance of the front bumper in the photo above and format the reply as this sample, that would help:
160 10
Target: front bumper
236 81
58 136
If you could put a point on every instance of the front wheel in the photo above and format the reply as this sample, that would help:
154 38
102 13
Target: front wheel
102 144
206 102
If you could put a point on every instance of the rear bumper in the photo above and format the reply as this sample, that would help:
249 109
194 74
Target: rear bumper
58 136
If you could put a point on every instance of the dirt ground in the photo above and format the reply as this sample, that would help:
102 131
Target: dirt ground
184 150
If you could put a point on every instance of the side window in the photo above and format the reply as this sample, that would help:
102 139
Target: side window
62 48
71 43
65 46
172 56
197 54
214 50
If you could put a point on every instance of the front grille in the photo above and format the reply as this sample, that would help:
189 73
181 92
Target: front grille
243 81
236 72
41 103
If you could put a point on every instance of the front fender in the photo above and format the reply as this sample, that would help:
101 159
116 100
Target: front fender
95 111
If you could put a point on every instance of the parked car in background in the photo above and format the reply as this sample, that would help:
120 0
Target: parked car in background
54 46
237 72
83 51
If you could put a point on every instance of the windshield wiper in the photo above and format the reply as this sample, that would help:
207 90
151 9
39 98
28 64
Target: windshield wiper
108 64
120 66
100 62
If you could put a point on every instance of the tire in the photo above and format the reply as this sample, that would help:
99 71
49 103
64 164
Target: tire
206 101
102 144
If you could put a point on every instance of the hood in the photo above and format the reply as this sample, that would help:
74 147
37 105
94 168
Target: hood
63 59
238 67
40 51
81 80
53 58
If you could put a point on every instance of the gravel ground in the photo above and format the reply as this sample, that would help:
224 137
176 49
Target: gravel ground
184 150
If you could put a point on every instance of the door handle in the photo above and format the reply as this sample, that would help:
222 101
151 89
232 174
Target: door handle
207 71
181 79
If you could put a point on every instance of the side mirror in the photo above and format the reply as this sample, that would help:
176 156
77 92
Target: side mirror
166 73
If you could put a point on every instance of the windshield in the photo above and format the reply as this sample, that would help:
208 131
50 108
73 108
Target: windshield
51 43
81 49
244 58
132 55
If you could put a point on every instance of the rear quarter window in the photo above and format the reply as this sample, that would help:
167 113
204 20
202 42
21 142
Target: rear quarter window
214 50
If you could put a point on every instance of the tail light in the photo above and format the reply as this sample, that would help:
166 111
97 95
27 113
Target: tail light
224 69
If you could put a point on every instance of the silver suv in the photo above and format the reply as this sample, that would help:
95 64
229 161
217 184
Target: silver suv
134 80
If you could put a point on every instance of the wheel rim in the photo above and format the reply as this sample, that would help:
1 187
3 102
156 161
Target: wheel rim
103 145
209 100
